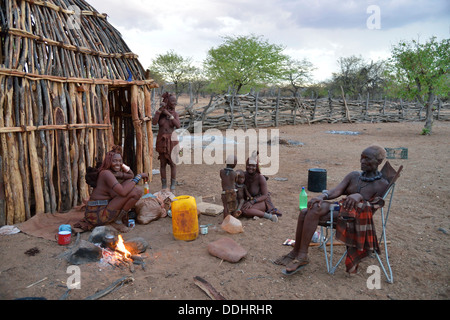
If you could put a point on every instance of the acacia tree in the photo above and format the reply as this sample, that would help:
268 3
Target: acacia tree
297 73
357 77
349 75
173 68
420 71
197 83
244 61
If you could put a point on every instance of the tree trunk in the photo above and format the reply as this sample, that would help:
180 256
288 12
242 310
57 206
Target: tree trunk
238 88
429 113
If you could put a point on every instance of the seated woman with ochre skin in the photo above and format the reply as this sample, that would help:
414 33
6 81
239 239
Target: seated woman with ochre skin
110 199
260 204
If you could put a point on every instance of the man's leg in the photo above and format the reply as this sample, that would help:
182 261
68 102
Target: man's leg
284 260
304 234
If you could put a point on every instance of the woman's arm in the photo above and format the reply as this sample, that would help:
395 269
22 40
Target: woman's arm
264 192
156 117
176 120
110 181
124 175
121 189
246 193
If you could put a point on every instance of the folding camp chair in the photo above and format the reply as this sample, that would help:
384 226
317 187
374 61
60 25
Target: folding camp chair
328 232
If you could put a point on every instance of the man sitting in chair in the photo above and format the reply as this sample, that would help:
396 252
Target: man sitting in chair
363 191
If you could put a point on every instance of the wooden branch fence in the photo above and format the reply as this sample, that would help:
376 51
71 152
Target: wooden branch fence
251 111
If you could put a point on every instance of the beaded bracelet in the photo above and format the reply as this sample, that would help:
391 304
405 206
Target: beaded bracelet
137 178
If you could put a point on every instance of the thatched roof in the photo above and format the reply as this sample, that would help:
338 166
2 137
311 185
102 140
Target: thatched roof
64 38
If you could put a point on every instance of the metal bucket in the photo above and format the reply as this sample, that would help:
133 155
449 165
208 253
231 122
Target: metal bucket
317 180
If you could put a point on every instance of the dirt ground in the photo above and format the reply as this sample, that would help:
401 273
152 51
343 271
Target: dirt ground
417 230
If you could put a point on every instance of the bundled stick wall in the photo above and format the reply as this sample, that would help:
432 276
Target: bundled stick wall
252 111
69 89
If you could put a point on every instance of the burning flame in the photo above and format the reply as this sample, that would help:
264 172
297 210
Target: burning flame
121 247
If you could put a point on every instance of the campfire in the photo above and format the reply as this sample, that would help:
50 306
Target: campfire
116 254
121 248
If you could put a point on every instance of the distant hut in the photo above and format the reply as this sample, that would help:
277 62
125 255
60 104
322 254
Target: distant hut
69 89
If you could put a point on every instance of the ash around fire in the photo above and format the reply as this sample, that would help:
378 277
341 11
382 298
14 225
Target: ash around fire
32 252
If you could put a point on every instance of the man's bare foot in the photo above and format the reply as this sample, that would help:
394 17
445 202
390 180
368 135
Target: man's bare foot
296 264
284 260
353 271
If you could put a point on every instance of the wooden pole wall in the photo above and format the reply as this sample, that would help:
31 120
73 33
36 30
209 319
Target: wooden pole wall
148 152
51 131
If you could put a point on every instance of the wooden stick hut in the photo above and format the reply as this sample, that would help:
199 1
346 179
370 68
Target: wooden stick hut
69 89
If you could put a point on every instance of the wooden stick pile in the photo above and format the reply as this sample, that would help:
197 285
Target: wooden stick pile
251 111
69 89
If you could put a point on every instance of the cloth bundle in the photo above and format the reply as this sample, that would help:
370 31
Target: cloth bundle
356 229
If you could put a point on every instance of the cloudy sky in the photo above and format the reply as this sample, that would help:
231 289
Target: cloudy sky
318 30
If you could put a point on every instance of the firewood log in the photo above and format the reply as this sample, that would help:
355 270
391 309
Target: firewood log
208 288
